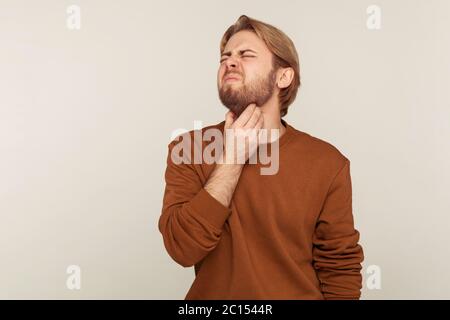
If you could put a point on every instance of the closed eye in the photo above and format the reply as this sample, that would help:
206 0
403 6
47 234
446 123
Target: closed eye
244 56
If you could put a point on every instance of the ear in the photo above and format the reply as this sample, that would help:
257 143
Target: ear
285 77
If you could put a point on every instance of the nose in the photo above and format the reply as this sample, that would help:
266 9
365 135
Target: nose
231 63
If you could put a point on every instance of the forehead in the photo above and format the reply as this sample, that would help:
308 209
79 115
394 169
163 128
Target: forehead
246 39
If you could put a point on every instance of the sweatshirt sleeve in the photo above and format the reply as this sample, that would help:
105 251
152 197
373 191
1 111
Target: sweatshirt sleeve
191 220
336 253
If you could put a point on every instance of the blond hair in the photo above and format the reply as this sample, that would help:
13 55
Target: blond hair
283 50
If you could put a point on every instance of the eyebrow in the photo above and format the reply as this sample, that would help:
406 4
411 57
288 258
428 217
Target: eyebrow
228 53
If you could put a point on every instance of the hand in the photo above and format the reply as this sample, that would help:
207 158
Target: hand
243 132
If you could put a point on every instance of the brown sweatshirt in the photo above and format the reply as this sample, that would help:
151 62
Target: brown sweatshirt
289 235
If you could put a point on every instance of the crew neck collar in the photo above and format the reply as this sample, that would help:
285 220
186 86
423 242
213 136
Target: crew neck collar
288 133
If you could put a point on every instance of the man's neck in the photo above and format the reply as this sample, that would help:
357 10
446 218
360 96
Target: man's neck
272 117
273 121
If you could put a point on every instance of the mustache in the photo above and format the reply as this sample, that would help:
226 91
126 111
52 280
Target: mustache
232 73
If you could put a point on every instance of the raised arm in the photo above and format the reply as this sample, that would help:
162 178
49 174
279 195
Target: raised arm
193 214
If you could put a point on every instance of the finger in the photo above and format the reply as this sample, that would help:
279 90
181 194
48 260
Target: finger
254 118
245 115
261 132
229 118
260 122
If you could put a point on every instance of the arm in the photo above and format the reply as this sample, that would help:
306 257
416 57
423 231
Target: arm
223 181
192 215
336 252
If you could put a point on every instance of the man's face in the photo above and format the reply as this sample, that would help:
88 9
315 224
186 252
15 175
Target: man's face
246 73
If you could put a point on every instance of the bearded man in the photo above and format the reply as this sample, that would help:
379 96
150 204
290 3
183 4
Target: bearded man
288 235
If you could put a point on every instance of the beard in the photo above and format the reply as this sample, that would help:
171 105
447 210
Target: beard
259 91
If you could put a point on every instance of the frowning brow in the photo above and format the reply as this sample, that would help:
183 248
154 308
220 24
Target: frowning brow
241 52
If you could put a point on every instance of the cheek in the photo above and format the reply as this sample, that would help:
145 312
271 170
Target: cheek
222 69
256 68
250 73
220 73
